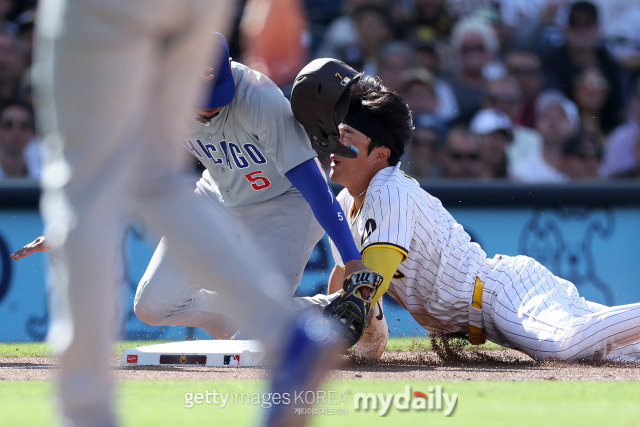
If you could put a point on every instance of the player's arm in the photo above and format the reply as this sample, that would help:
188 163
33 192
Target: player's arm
335 279
38 245
385 259
310 181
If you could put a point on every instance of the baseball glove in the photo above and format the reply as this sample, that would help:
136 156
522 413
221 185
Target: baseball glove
349 313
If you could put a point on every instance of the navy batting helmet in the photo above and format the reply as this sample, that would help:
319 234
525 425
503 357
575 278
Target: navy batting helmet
320 100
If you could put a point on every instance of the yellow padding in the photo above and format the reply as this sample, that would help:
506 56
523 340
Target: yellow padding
476 335
385 259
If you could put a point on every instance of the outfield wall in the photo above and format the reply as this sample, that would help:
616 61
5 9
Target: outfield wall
586 233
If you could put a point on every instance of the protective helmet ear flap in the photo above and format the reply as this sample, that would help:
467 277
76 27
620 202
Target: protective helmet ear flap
320 100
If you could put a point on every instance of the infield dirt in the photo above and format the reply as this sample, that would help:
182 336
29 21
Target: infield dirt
419 365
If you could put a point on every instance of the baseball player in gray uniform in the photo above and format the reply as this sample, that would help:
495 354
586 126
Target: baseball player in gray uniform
433 269
261 166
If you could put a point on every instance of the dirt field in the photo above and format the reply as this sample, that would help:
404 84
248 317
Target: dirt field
420 365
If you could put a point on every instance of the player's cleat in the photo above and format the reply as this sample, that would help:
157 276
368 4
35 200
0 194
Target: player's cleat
310 353
371 345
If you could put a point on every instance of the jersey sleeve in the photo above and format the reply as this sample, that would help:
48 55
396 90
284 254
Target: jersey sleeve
388 220
343 200
284 138
309 179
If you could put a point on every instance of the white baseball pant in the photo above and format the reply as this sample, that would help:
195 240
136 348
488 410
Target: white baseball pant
526 307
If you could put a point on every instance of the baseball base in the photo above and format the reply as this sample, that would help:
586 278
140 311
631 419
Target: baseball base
197 352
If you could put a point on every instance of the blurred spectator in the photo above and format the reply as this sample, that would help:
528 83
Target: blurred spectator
537 24
26 25
460 157
493 129
504 94
374 28
428 56
582 154
581 49
490 14
619 156
421 160
634 172
320 13
342 31
619 27
474 44
430 18
16 132
12 65
556 120
6 24
393 59
417 88
526 67
590 91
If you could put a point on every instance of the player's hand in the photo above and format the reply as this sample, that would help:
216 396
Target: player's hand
351 267
349 313
272 37
38 245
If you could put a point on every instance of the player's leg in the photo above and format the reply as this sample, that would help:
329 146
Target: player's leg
628 353
166 297
86 109
285 229
544 316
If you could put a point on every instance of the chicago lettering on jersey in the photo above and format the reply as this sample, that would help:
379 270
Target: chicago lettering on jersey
226 153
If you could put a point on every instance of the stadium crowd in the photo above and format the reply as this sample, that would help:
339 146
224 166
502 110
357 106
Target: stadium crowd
535 91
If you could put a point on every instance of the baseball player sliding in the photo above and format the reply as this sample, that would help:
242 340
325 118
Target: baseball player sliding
429 264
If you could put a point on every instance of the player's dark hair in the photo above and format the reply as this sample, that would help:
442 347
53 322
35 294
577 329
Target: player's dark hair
382 115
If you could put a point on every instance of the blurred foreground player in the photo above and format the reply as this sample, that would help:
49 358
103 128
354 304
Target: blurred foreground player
115 84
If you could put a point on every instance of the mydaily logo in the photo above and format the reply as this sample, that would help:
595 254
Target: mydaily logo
433 400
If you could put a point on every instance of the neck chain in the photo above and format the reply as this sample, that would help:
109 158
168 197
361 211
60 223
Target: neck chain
355 210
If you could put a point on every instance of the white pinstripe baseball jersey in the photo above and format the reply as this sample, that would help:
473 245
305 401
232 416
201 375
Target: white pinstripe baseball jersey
524 306
435 282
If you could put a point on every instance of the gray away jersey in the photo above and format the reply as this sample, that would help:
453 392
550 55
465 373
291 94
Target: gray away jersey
435 282
249 146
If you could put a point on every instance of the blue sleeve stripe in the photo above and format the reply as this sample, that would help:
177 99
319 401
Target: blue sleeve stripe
308 179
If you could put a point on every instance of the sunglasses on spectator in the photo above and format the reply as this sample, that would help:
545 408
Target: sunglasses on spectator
10 124
470 48
463 156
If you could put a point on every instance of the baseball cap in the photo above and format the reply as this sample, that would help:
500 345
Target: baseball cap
553 96
219 81
490 120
